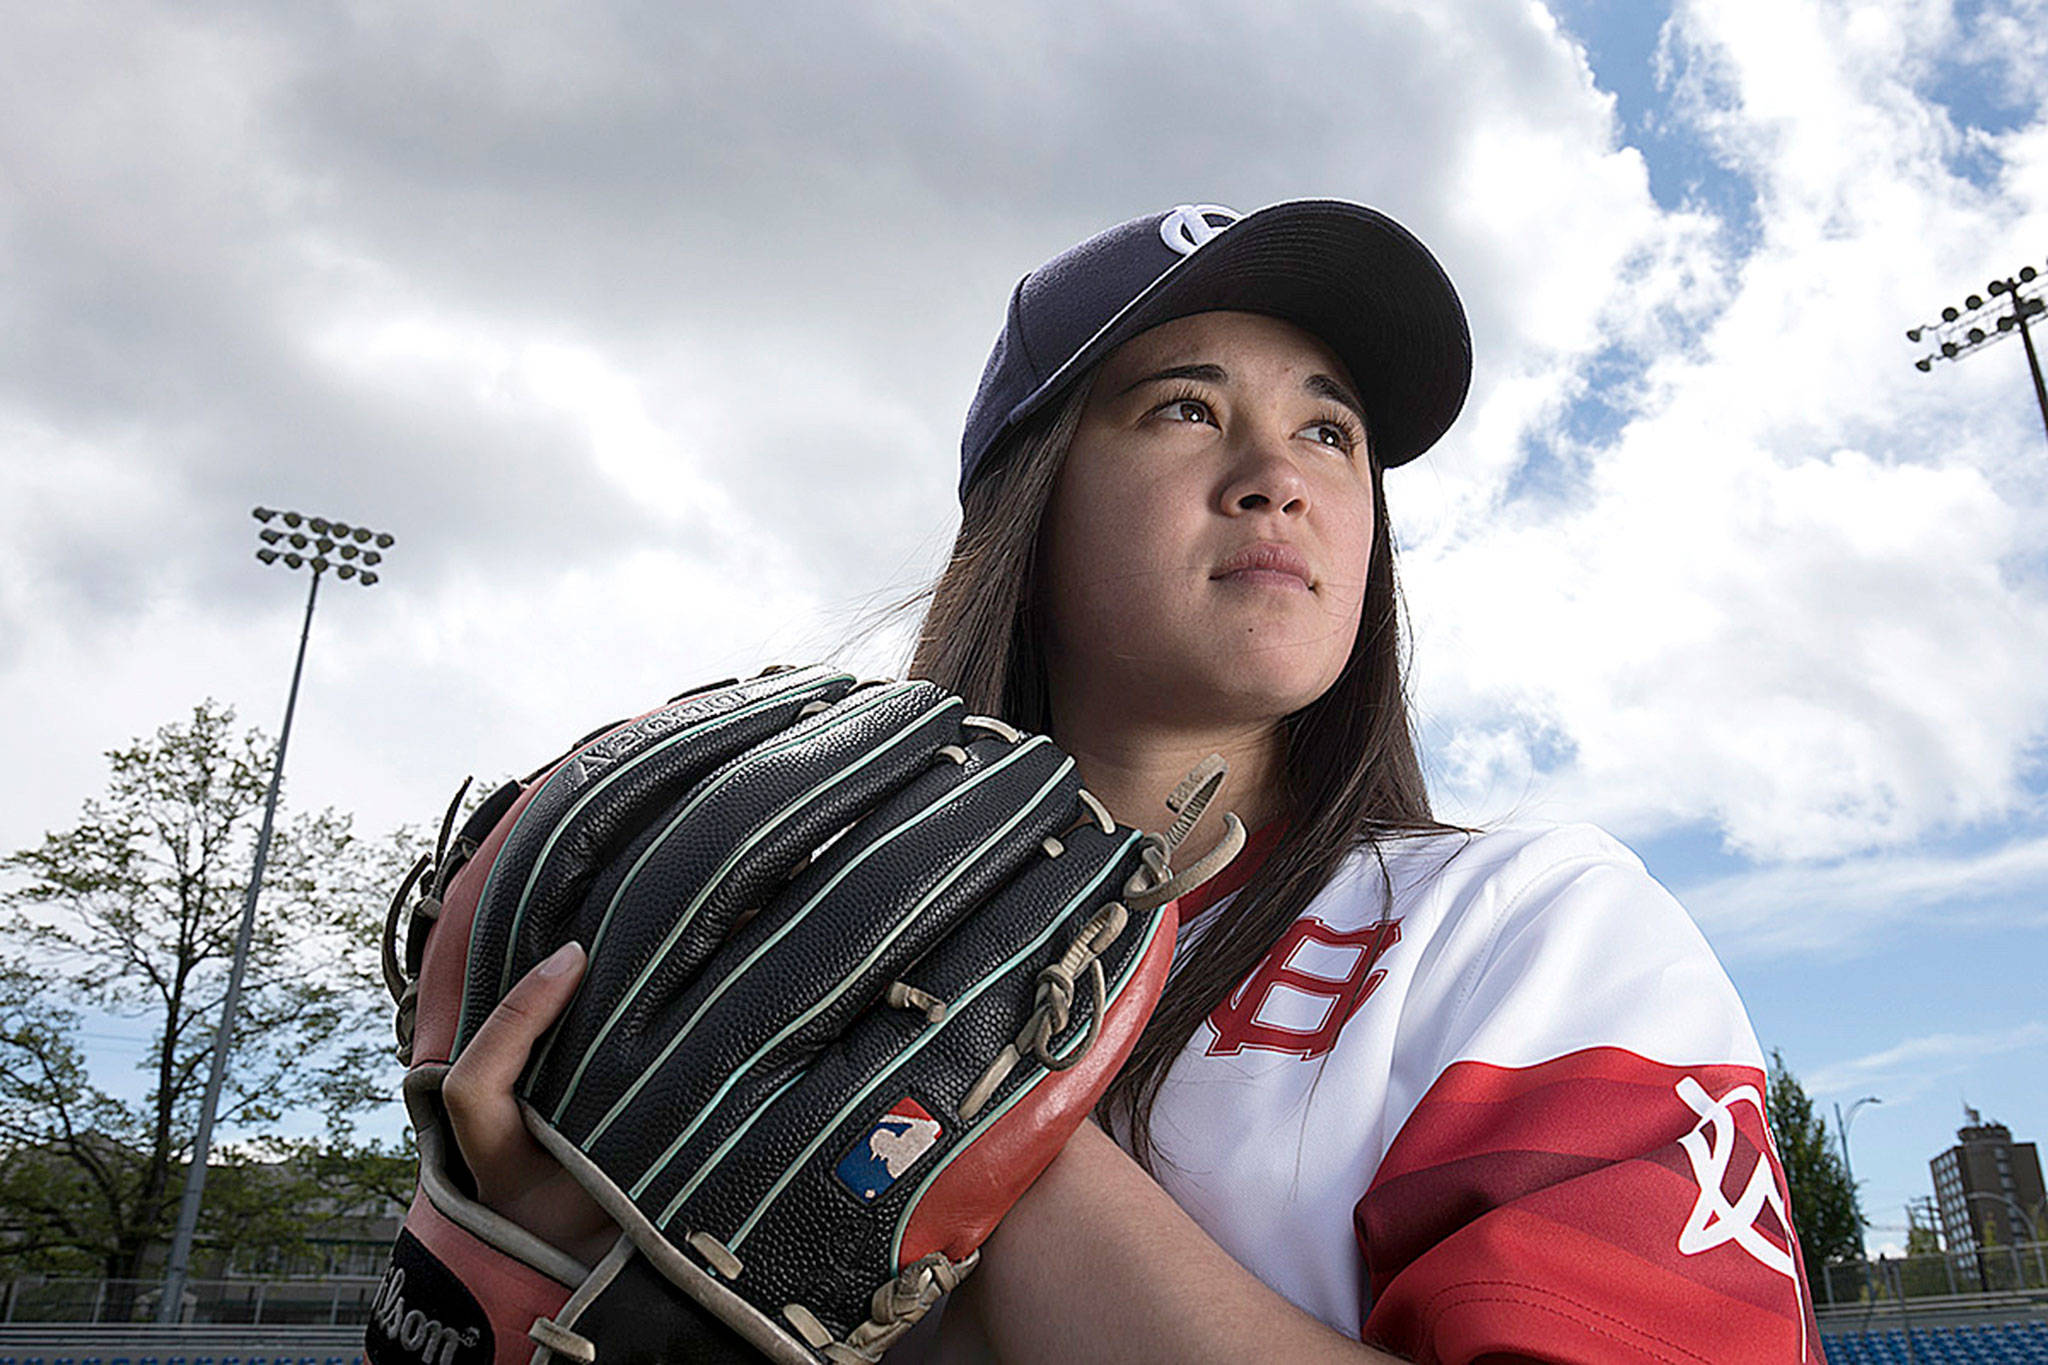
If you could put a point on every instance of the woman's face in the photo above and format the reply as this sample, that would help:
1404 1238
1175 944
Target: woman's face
1206 545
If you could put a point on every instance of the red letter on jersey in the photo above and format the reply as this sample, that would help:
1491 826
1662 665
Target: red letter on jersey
1247 1016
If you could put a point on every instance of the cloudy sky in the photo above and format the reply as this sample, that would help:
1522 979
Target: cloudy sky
648 330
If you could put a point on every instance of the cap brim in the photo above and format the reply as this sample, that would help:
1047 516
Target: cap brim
1350 276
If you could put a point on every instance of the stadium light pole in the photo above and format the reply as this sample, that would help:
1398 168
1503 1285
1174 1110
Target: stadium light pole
1849 1171
300 542
1978 323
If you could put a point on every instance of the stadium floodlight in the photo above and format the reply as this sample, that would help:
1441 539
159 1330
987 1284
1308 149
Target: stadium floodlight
177 1265
1982 321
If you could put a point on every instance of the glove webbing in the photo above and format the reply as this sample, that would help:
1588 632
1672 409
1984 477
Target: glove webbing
431 876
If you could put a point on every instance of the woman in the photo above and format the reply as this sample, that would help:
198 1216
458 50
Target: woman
1459 1096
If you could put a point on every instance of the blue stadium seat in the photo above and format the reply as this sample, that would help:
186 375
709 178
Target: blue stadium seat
1991 1344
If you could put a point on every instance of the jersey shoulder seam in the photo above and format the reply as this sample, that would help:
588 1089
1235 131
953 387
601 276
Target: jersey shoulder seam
1506 906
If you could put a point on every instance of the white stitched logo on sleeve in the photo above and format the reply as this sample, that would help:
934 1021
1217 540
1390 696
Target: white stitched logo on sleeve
1710 1146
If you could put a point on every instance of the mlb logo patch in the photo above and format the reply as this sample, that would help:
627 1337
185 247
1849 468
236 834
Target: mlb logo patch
890 1148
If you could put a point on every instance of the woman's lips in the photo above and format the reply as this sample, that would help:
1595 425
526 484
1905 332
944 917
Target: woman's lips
1266 561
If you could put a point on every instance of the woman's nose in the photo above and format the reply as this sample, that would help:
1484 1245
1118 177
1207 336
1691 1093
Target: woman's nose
1265 477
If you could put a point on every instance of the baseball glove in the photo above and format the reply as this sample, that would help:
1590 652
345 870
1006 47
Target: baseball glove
859 964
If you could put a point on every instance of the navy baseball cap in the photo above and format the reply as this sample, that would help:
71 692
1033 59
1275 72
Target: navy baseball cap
1348 275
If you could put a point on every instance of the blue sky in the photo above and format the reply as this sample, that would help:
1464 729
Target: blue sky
659 332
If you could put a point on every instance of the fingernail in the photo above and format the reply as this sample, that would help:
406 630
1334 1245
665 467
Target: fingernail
561 960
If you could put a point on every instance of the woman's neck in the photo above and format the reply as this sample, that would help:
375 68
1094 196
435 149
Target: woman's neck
1131 768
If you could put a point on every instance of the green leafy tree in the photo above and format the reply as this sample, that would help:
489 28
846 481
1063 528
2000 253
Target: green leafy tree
133 913
1824 1206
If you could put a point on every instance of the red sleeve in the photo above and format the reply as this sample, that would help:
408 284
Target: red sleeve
1595 1207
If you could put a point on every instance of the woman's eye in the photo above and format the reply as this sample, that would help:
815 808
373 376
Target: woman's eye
1333 434
1186 410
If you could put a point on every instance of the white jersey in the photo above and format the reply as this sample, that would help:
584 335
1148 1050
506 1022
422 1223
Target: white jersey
1514 1107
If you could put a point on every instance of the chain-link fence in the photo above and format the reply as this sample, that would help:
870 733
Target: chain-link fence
332 1300
345 1299
1992 1270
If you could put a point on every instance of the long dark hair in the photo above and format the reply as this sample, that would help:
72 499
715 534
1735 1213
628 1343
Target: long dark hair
1351 777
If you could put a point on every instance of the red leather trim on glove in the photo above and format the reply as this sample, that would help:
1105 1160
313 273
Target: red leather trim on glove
511 1292
972 1194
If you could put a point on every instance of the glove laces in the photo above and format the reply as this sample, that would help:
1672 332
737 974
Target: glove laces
1151 886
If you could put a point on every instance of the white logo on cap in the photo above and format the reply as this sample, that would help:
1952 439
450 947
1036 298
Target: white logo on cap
1190 226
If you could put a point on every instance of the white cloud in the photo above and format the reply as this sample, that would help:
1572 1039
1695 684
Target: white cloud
1835 908
651 340
1796 596
1909 1068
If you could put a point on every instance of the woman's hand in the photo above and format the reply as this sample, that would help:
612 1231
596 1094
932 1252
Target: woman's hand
515 1175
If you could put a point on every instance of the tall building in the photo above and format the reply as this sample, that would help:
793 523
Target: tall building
1988 1188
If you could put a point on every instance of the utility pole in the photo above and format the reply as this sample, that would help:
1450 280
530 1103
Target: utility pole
353 549
1979 322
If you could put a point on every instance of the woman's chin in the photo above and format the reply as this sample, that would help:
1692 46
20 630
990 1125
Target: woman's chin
1268 683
